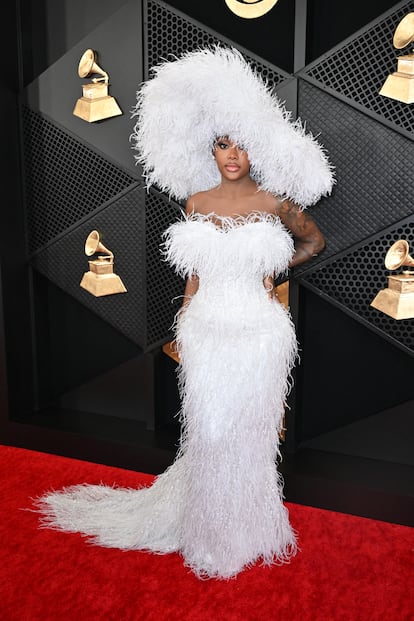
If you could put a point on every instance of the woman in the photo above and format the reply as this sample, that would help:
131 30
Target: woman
220 504
244 198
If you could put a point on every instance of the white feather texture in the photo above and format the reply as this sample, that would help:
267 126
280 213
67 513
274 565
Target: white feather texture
214 92
220 504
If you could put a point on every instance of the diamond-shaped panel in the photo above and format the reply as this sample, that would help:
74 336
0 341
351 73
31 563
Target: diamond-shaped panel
122 226
358 68
164 287
355 279
171 34
65 180
373 165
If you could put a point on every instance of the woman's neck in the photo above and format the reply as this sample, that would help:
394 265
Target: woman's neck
236 189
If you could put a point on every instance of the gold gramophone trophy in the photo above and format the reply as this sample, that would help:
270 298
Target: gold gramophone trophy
250 9
397 300
100 280
400 84
96 104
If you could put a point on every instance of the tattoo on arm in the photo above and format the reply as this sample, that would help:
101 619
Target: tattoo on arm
300 222
309 240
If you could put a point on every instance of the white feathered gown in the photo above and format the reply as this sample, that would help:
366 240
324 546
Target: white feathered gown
220 503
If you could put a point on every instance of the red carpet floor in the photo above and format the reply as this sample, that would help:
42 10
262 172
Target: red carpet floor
348 569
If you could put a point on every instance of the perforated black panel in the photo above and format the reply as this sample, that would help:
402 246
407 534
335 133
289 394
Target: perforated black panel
71 189
122 226
172 33
64 179
164 288
358 68
373 168
354 280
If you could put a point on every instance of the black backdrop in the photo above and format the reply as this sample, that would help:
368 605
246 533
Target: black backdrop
65 356
52 27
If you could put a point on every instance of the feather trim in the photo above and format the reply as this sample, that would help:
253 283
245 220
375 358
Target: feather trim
194 249
215 92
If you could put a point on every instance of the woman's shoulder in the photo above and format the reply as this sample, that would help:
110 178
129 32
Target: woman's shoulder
199 202
269 202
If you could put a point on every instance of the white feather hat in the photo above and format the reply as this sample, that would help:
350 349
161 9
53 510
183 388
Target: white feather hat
213 92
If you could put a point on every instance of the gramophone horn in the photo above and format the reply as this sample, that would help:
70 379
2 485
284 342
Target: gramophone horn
398 255
93 244
404 33
88 66
100 279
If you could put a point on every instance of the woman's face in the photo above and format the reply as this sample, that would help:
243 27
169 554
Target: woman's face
232 161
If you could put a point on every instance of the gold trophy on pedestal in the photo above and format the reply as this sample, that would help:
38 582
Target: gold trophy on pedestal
397 300
400 84
96 104
100 280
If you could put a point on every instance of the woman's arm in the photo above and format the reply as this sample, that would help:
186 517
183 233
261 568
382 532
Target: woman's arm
191 288
309 241
191 285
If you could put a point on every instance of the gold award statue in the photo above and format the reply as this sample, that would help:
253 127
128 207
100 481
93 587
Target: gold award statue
400 84
397 300
249 9
100 280
95 104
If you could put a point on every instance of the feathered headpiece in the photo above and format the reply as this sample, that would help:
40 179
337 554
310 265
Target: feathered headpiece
213 92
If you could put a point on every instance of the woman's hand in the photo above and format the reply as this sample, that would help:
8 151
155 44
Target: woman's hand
269 285
191 288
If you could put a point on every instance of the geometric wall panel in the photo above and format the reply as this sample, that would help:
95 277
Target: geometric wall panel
117 39
357 68
164 287
170 32
374 181
122 226
65 180
354 279
131 227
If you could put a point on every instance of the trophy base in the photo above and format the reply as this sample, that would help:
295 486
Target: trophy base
92 110
394 304
399 86
102 284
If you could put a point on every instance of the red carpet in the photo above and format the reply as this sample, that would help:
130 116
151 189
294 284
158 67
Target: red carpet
348 569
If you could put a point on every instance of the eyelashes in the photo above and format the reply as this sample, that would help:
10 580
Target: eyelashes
227 145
